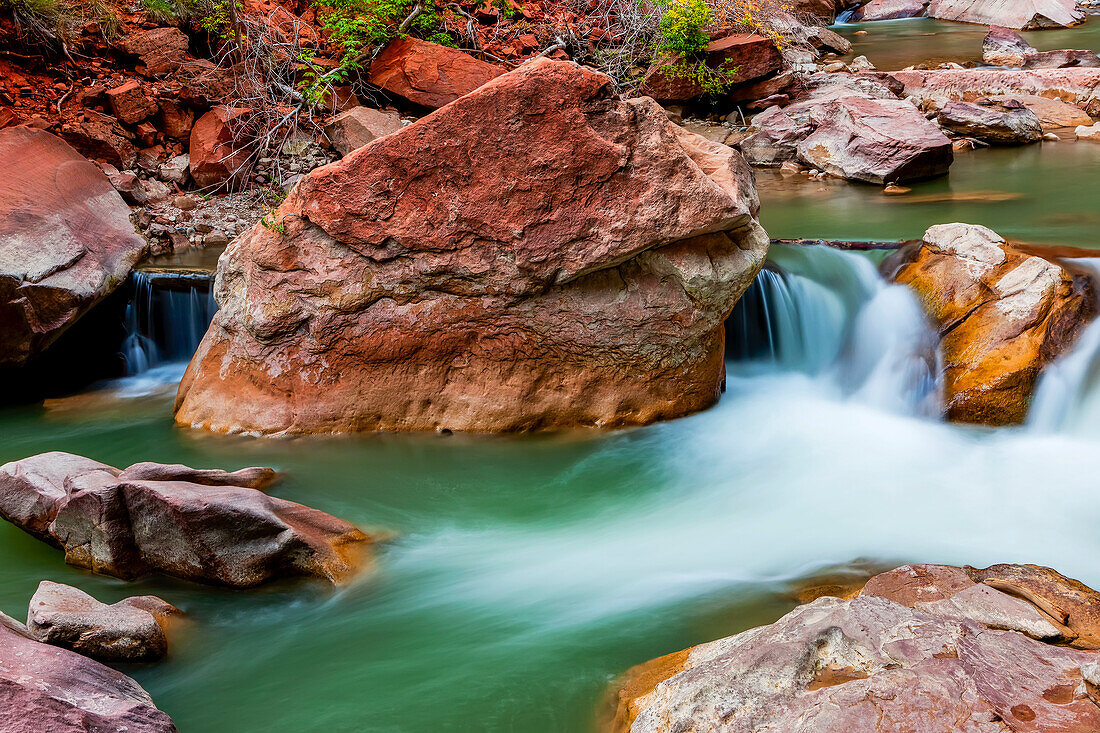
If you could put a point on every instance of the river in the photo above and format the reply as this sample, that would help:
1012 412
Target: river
529 571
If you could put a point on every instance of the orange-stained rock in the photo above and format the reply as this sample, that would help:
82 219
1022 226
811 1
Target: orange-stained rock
214 157
1024 14
130 103
66 240
753 56
928 648
1003 315
538 254
429 74
940 86
358 126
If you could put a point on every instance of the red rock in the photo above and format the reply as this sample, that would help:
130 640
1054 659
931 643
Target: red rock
429 74
556 257
176 119
360 125
145 520
43 688
130 103
1003 316
101 139
214 159
754 56
68 617
996 123
162 50
68 240
922 648
1023 14
875 140
1005 47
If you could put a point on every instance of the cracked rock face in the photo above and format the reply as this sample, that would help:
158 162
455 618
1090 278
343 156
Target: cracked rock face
66 240
537 254
207 526
923 648
1022 14
1003 315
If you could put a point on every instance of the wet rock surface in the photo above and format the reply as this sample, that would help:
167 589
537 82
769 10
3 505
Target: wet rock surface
996 123
207 526
44 688
558 257
131 630
66 240
923 647
1003 316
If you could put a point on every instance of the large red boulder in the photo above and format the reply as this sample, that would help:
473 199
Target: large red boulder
751 55
538 254
66 240
207 526
429 74
935 649
44 688
215 157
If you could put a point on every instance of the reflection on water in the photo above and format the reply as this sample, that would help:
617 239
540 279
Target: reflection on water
1039 193
895 44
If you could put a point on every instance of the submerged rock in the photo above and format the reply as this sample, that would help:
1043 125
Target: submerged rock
205 526
1003 316
556 257
131 630
922 648
1022 14
66 240
44 688
996 123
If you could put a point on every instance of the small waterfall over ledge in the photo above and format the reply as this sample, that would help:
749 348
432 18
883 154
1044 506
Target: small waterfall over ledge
829 315
166 318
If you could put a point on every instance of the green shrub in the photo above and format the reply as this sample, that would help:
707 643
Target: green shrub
681 26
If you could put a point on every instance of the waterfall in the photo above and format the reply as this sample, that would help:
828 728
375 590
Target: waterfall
830 315
166 318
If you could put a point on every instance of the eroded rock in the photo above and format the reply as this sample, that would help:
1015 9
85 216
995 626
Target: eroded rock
429 74
208 526
996 123
66 240
1021 14
360 125
43 688
890 10
122 632
557 257
1003 316
923 648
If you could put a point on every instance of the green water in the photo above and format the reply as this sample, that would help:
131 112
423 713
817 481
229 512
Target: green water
895 44
1044 193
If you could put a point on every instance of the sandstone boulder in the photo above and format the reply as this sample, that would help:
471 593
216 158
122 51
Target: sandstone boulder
101 138
875 140
996 123
1005 47
130 103
1051 113
429 74
556 257
66 240
775 138
1003 316
1023 14
43 688
358 126
214 157
161 50
890 10
752 55
1062 59
205 526
1090 133
923 648
123 632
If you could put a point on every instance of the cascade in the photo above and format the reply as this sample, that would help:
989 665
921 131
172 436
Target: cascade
166 318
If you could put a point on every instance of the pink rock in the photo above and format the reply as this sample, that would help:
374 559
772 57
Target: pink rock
215 159
1023 14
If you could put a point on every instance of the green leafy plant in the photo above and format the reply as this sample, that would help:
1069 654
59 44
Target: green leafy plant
681 27
712 80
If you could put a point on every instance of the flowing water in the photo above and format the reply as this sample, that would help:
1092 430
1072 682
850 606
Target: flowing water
529 571
892 45
1042 193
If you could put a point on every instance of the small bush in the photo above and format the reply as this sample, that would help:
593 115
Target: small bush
681 27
